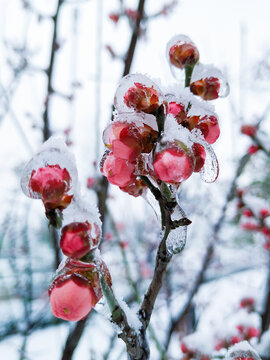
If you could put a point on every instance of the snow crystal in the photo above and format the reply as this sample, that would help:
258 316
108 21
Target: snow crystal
174 131
132 317
82 209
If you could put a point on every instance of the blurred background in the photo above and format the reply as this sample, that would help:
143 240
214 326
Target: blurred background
60 64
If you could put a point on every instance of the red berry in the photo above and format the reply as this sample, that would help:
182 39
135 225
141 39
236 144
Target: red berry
142 98
114 17
182 55
253 149
51 184
248 213
247 302
235 339
184 348
207 88
249 130
173 165
264 213
178 111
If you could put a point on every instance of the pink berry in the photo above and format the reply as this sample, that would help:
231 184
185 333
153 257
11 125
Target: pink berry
253 332
173 165
264 213
118 171
72 299
178 111
209 128
75 239
248 213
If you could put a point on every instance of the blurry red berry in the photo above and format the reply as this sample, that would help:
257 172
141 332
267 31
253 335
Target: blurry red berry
247 302
264 213
253 149
253 332
248 213
114 17
90 182
249 130
235 340
184 348
131 14
249 226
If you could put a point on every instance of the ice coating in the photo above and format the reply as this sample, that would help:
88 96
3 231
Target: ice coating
128 82
82 209
181 52
242 350
202 71
138 119
151 200
53 152
176 239
209 172
177 40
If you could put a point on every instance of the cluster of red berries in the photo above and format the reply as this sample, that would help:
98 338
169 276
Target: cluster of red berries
257 221
161 136
242 331
75 288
